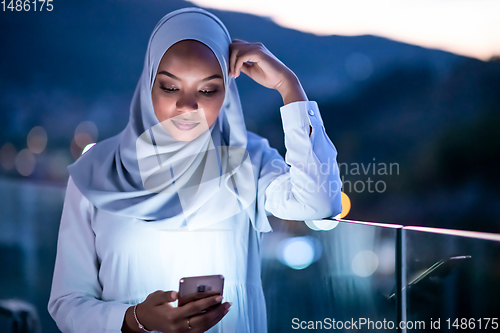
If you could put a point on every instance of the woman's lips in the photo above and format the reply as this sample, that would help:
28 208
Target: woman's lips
185 125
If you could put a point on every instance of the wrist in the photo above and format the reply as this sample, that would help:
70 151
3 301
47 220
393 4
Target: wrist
129 325
291 90
129 322
139 323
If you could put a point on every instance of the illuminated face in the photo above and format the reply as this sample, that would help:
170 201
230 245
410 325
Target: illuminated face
188 90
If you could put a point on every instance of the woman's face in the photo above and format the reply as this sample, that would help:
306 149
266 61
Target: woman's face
188 90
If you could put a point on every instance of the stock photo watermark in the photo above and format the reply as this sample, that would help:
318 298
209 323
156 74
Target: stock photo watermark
373 169
27 5
368 324
328 176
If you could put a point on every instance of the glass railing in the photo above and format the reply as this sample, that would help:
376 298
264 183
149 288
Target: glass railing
317 275
350 274
452 279
378 277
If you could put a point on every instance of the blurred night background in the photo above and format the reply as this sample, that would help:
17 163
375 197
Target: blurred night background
67 78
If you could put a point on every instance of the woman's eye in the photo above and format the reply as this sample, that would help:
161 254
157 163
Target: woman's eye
168 89
208 92
171 90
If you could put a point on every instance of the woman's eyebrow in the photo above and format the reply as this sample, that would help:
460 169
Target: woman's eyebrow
215 76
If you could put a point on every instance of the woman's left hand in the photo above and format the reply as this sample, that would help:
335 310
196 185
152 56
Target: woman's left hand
265 68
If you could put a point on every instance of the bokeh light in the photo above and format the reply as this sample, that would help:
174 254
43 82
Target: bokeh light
37 140
8 156
387 255
365 263
359 66
299 252
85 133
346 205
25 162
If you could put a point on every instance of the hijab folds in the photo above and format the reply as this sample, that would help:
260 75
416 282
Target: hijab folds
145 173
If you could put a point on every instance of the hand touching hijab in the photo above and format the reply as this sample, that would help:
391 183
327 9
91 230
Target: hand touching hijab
148 173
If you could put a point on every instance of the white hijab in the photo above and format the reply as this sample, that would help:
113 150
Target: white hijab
145 173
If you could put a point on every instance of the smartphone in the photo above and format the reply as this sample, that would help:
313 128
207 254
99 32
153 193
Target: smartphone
193 288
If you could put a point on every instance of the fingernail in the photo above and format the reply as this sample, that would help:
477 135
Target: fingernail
229 305
218 298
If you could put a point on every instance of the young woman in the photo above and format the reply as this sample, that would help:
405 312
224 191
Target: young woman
185 190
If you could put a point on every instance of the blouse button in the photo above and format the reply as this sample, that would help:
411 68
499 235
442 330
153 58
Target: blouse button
311 112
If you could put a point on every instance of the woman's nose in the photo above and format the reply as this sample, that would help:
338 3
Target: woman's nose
187 103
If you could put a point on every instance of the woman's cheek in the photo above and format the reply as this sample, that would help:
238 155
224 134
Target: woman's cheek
164 103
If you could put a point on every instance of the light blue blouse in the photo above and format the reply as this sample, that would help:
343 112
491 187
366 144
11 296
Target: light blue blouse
105 263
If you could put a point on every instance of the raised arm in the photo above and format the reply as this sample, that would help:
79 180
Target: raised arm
308 185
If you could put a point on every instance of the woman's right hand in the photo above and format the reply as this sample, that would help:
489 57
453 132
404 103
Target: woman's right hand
157 314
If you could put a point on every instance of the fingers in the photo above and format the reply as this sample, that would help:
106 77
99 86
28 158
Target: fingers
244 54
171 295
214 316
232 60
202 314
246 68
196 307
209 319
238 48
243 66
235 49
159 297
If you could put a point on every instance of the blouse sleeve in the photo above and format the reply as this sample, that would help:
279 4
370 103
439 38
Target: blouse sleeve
75 303
308 185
